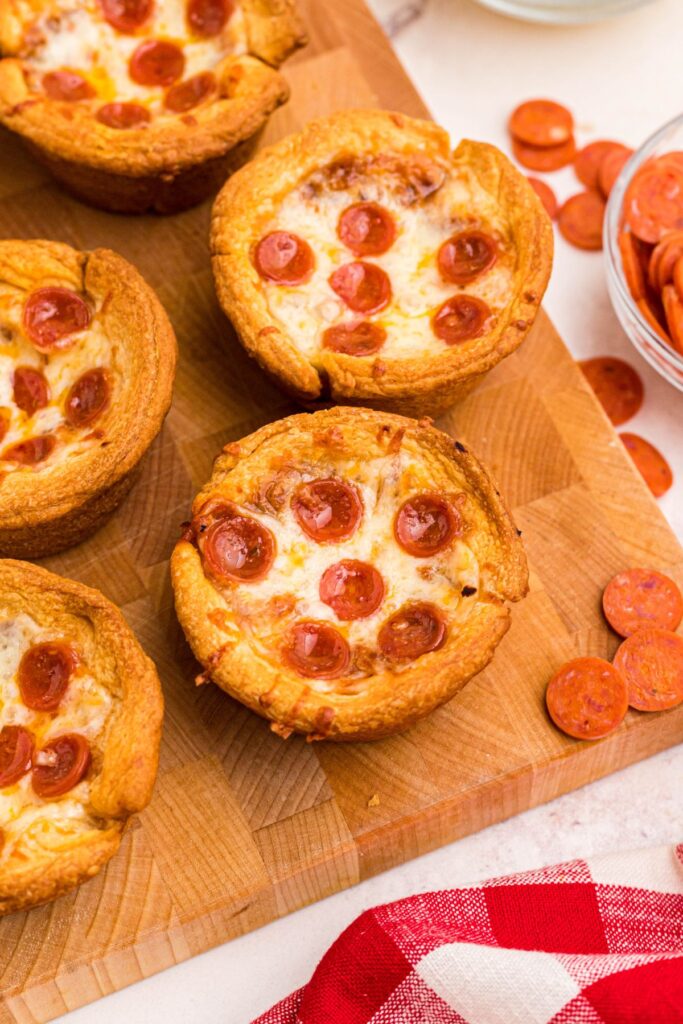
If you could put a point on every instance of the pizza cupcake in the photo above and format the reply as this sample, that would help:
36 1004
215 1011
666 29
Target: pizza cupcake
345 572
363 261
138 105
87 360
80 724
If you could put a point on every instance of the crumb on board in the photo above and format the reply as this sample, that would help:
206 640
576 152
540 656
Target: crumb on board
374 800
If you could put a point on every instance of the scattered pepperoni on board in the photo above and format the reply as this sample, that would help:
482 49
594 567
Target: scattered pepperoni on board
580 220
546 195
650 462
641 598
587 698
617 386
651 663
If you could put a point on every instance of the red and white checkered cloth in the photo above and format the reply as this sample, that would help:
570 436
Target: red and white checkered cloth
596 941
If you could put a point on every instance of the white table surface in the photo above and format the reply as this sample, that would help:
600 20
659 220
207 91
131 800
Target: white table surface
622 79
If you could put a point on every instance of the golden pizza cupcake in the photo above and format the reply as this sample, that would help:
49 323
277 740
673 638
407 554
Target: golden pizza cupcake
346 571
87 360
80 724
361 260
139 105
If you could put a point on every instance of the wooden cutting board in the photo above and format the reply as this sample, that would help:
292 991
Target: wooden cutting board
244 827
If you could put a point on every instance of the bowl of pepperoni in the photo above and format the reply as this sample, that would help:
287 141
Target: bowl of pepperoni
643 241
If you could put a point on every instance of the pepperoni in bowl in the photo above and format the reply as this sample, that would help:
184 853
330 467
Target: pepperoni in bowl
316 650
16 754
367 229
352 589
284 258
327 509
466 255
413 630
60 765
237 547
52 315
44 674
426 524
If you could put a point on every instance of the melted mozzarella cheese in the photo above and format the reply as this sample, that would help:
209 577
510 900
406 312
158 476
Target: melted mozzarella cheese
76 37
29 824
418 290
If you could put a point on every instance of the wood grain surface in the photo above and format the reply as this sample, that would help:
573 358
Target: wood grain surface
244 827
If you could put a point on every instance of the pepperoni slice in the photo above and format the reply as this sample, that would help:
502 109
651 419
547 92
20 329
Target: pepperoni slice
415 629
208 17
546 195
426 524
587 698
359 339
5 420
465 256
552 158
32 451
237 547
367 229
673 310
678 278
52 315
30 389
60 765
648 313
88 398
44 674
316 650
16 753
663 259
654 201
127 16
610 169
639 598
651 464
284 258
364 287
352 589
617 386
327 509
651 662
157 62
123 115
541 123
632 264
190 93
590 159
580 220
68 86
460 319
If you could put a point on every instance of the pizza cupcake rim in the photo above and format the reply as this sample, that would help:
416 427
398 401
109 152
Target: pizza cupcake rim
80 726
88 357
377 187
345 572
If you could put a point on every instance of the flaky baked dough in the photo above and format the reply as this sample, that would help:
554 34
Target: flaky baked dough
166 166
45 512
125 756
416 387
391 701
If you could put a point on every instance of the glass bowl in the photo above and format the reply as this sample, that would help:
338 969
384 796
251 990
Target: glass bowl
563 12
660 355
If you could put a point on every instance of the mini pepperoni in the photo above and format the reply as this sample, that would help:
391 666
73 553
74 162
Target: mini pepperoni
673 310
551 158
589 160
68 86
580 220
364 287
415 629
316 650
60 765
31 451
359 339
123 115
16 753
352 589
632 264
127 16
88 398
460 319
465 256
157 62
651 662
610 169
654 202
617 385
209 17
52 315
663 259
190 93
30 389
546 195
284 258
641 598
237 547
651 464
44 674
367 229
327 509
541 123
587 698
426 524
